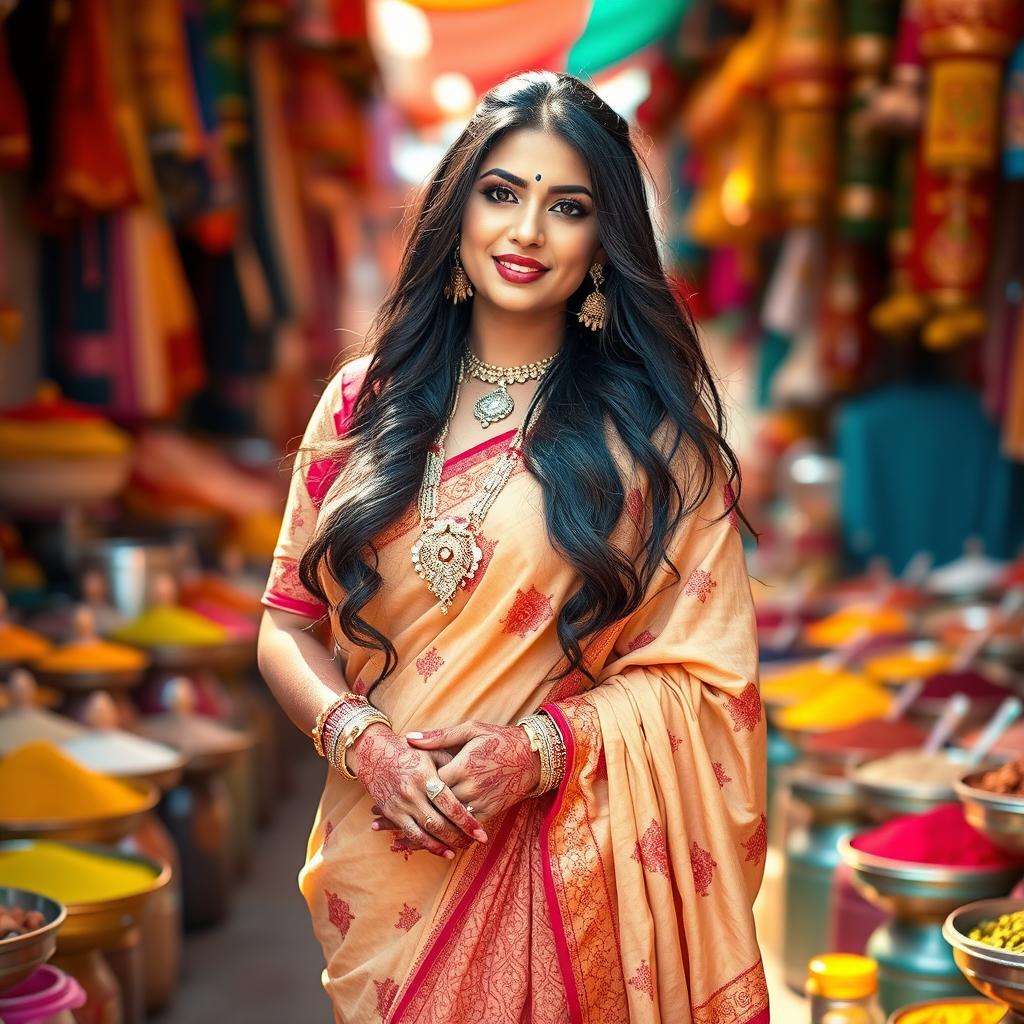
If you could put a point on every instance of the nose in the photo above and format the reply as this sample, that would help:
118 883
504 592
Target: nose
526 227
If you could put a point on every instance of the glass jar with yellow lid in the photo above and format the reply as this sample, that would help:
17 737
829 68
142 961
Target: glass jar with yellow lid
843 989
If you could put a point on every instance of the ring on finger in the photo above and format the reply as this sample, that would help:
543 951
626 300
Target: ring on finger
469 808
434 787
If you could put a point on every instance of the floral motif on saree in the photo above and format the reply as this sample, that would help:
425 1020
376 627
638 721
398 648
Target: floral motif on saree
623 896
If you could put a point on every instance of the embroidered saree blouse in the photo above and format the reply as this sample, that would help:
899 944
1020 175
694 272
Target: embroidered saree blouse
624 895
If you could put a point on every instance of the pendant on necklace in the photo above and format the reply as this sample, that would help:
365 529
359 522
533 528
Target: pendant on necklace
447 556
494 406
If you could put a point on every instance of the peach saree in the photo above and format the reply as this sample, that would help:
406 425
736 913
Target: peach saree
626 894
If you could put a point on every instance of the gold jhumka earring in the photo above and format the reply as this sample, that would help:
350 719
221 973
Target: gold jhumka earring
458 289
595 306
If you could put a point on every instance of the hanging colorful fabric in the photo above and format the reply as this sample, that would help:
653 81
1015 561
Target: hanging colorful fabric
91 164
806 95
616 29
224 60
866 161
965 46
14 140
899 316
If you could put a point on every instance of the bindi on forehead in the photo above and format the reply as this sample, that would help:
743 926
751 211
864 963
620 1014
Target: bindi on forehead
536 177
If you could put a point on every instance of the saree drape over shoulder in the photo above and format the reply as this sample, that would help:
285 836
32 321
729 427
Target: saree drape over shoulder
626 894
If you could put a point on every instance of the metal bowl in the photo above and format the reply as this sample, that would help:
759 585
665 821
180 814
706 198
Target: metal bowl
87 682
830 797
996 973
922 892
91 925
883 801
972 1002
1006 645
999 816
22 954
108 829
228 656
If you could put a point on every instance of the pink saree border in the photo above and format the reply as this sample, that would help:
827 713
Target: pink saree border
455 461
439 940
275 599
554 910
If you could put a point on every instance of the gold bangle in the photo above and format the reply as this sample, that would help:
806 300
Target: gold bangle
352 732
557 748
535 729
317 734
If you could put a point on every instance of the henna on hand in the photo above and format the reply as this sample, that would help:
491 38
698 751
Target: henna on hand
498 766
494 770
394 775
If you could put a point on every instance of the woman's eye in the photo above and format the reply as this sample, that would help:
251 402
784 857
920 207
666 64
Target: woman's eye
571 207
500 194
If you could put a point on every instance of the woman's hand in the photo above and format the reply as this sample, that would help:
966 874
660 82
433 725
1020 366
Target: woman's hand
494 770
396 775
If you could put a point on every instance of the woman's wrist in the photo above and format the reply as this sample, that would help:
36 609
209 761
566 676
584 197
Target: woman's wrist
532 757
546 741
374 729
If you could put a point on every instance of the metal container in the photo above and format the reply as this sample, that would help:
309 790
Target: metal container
198 816
162 924
914 961
92 928
21 955
996 973
999 816
781 754
883 801
970 1002
106 829
131 566
830 812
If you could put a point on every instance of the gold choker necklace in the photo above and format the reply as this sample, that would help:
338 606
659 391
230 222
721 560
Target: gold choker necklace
497 405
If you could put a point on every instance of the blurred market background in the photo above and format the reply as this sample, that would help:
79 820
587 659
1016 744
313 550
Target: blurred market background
200 207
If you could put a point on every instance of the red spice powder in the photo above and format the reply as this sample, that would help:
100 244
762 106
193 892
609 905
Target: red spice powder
876 734
967 682
941 837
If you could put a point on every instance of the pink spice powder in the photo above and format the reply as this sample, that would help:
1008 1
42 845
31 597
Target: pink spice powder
941 837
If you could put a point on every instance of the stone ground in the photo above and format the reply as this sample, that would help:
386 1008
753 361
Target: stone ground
262 965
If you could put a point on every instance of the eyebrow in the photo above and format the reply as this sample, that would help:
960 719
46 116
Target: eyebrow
514 179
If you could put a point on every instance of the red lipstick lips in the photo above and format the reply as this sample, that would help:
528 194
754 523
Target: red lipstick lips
518 269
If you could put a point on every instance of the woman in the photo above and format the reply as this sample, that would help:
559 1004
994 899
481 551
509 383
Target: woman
552 541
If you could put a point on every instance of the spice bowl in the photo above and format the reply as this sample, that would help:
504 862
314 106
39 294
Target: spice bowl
922 892
94 924
22 954
980 1010
830 795
229 656
998 815
88 681
102 829
884 800
996 973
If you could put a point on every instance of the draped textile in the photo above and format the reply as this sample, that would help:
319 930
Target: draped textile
626 894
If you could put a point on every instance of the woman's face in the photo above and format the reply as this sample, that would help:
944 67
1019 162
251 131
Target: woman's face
529 229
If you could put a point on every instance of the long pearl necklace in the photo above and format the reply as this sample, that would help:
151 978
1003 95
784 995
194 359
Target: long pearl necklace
498 405
447 554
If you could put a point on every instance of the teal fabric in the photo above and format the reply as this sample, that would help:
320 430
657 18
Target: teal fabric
772 351
616 29
922 472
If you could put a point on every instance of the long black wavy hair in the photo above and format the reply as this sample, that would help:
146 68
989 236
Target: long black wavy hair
643 371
